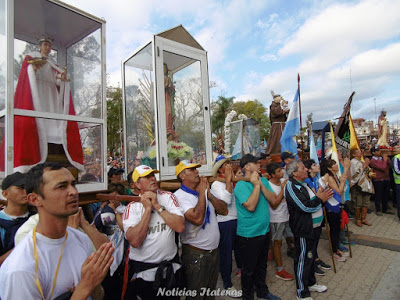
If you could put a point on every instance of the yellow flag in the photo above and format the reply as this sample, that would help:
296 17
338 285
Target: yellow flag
334 155
353 137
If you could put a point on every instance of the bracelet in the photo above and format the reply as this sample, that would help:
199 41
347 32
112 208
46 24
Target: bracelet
212 197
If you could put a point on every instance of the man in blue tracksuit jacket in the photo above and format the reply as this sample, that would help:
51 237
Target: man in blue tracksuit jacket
305 213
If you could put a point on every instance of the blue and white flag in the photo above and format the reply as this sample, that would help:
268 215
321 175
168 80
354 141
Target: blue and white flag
313 152
292 128
313 149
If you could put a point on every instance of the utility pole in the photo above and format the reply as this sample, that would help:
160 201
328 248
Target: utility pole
376 118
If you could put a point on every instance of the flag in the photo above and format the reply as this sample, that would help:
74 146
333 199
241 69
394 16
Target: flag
292 127
313 149
334 155
313 152
353 137
342 130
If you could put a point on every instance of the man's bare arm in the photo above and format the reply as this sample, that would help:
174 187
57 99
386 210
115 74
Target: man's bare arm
270 196
252 202
137 234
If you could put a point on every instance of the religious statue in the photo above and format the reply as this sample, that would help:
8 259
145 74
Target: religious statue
43 86
169 102
278 112
383 130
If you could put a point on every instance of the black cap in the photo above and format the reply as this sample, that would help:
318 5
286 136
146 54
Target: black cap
373 150
115 171
286 154
248 158
16 179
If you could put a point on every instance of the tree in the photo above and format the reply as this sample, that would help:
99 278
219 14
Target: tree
114 119
219 110
309 120
256 110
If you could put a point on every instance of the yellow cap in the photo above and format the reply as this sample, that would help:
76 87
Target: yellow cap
142 171
185 164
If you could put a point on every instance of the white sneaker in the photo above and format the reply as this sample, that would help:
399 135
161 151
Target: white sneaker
317 288
339 257
307 298
233 292
344 254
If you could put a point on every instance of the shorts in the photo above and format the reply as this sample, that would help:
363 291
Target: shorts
280 230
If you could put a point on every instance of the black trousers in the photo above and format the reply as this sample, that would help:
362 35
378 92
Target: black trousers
334 229
382 189
304 265
254 252
316 236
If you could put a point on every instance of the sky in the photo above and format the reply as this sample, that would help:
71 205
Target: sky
256 46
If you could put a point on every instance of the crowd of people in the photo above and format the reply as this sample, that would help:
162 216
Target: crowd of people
169 245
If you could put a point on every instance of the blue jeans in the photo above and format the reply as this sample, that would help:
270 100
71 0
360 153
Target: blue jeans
227 243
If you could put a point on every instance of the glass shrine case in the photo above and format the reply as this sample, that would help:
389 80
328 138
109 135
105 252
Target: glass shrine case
245 138
70 126
166 104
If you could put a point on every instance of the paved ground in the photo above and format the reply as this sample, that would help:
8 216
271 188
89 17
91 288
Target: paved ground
372 273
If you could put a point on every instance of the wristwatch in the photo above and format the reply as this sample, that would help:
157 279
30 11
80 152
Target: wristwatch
161 209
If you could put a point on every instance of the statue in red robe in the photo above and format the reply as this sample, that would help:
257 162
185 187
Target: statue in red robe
43 86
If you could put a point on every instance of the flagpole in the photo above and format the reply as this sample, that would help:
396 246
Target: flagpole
301 136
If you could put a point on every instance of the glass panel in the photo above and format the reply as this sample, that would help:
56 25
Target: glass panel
251 137
92 144
78 147
236 140
2 148
184 109
140 110
245 138
3 54
22 49
84 70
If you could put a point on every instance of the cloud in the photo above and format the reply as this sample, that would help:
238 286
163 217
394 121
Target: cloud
269 57
331 43
343 29
321 40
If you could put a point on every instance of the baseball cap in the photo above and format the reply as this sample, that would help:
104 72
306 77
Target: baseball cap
114 171
185 164
142 171
248 158
16 179
286 154
219 161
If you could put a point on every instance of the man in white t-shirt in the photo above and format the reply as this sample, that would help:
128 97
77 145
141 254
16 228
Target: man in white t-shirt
200 255
279 219
53 260
150 227
227 224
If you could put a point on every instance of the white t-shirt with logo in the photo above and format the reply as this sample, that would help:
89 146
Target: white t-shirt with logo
159 244
281 213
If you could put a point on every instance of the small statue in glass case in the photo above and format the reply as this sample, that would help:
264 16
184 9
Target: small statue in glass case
43 86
